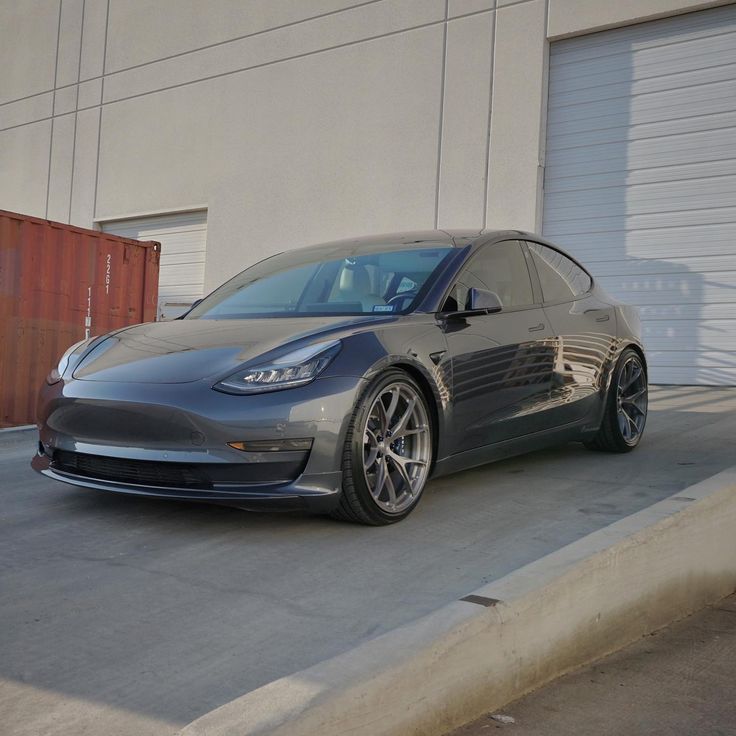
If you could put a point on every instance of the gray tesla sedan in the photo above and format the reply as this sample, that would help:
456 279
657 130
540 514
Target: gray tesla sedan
339 378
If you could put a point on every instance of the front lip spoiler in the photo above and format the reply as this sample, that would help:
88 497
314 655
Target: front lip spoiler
317 493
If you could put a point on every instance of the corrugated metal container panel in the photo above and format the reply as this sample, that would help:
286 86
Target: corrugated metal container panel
183 238
56 282
640 180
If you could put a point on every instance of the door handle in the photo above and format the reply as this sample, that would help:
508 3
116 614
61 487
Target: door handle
604 318
537 328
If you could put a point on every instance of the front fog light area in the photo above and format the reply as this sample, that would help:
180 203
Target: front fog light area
286 445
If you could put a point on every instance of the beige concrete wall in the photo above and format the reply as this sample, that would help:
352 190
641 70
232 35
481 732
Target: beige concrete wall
292 122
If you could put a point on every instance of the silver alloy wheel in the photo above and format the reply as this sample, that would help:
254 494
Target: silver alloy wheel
632 400
397 447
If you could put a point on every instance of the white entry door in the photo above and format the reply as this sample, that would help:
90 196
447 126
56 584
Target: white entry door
183 238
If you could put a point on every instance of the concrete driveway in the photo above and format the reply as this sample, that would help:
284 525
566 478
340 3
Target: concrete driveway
124 616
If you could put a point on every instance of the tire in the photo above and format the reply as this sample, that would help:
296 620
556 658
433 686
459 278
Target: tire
375 490
626 406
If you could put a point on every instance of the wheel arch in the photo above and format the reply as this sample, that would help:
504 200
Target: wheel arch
431 399
431 391
639 350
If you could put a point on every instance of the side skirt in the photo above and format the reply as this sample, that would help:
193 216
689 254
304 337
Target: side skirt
573 432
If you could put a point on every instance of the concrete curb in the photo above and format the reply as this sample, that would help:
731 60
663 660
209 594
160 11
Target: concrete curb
564 610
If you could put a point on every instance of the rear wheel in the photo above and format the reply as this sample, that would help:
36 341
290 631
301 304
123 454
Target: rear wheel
626 406
388 452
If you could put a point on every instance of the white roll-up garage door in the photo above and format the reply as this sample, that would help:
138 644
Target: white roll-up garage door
183 238
640 180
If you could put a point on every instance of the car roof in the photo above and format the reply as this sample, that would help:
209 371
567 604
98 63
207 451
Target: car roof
454 237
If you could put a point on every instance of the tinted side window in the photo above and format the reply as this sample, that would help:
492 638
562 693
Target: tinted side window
501 268
561 279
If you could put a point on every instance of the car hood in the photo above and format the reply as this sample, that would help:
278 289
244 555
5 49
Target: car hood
188 350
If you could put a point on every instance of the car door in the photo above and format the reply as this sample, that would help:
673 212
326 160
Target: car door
501 363
585 328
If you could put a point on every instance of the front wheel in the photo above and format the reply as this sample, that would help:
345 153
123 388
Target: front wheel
388 452
626 406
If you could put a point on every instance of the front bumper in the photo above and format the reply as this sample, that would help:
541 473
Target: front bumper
313 493
170 441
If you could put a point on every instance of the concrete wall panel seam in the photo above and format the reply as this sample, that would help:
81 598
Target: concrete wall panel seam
76 114
247 35
188 51
25 97
102 99
459 8
515 116
510 3
441 119
112 98
468 78
543 127
53 104
247 68
490 116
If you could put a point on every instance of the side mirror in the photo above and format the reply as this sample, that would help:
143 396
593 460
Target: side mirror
482 300
479 302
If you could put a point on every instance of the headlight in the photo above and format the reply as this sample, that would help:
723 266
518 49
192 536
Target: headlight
75 351
293 369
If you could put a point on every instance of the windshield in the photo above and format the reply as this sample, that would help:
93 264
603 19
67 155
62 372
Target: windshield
378 279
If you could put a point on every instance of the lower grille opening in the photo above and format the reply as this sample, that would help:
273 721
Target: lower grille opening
204 476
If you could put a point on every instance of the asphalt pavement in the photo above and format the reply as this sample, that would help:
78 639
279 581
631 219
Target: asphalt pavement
135 616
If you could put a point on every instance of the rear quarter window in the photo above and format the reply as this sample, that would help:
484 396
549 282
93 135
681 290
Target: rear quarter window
561 279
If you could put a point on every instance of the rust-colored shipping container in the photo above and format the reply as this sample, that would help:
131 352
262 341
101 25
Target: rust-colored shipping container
59 284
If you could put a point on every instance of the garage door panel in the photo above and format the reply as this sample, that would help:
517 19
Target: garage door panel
647 198
714 66
685 288
664 66
628 133
693 376
629 267
186 243
709 59
666 32
694 358
640 180
560 226
715 336
188 255
660 174
182 258
662 243
669 150
703 100
180 292
663 312
178 273
569 125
